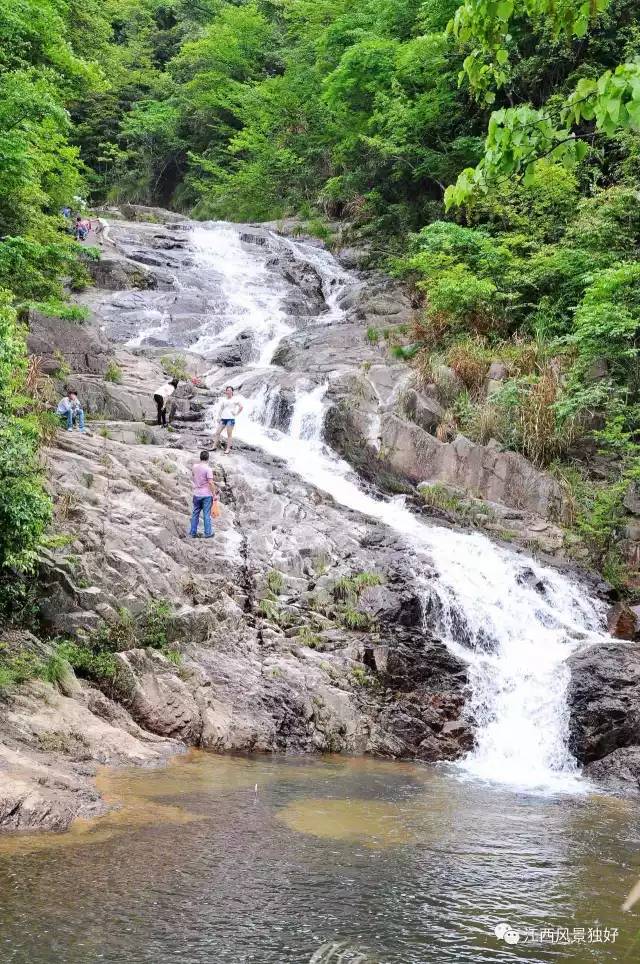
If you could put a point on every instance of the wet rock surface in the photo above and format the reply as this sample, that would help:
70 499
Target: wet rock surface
267 656
604 698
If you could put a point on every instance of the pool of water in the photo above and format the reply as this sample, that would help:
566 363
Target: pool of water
332 861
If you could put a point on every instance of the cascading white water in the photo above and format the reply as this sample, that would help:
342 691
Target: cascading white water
159 322
251 302
307 421
512 620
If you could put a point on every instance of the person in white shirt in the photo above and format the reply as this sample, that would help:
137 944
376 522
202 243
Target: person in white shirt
230 408
101 228
70 411
161 397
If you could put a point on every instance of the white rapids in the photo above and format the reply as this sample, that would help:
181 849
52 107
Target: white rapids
513 621
252 302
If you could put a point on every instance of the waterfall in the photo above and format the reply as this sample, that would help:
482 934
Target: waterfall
512 620
307 422
251 302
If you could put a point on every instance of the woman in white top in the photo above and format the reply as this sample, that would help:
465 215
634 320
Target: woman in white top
230 408
161 397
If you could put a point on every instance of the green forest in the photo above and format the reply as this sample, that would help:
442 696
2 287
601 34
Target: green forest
487 153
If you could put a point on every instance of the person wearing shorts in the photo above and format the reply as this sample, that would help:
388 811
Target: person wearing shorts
230 408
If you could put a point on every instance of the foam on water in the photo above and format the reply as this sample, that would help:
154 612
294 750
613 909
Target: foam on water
251 300
512 620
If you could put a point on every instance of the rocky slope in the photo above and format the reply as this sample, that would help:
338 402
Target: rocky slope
300 627
258 669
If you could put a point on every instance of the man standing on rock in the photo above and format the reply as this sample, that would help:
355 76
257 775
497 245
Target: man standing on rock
230 408
204 494
161 397
101 228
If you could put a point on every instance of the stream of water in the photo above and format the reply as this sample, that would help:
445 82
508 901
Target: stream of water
514 621
217 860
280 860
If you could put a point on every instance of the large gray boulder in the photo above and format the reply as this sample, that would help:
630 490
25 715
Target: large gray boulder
156 696
116 274
484 470
424 410
604 697
619 770
61 343
632 499
149 214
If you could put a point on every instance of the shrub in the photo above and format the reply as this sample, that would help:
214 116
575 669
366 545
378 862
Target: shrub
553 283
608 221
440 497
117 636
606 325
19 600
18 667
443 244
307 637
598 514
364 580
94 656
155 624
470 360
373 335
488 420
353 618
318 229
350 587
32 269
540 207
56 308
404 352
360 676
175 366
466 300
275 581
269 609
56 668
113 373
25 508
89 661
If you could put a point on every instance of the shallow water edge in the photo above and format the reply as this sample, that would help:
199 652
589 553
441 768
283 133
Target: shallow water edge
273 860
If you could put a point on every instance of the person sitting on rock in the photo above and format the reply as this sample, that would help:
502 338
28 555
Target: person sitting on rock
230 408
82 229
70 411
204 494
161 397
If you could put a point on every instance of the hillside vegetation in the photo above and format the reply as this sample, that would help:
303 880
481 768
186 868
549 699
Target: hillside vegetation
487 153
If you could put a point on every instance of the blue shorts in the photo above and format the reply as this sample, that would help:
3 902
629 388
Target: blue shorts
228 421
